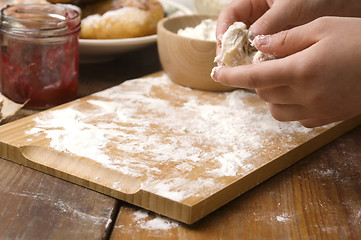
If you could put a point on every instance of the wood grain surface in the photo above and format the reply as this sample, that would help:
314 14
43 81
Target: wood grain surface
146 172
38 206
316 198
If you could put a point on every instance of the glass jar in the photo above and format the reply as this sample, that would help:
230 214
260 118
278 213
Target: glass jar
39 53
210 6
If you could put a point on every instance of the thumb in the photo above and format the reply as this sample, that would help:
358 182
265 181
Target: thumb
286 42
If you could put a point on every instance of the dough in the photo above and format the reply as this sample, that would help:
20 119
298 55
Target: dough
114 19
237 48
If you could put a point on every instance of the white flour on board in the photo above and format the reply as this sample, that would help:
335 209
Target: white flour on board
181 143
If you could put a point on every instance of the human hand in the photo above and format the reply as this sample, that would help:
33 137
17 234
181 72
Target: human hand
316 81
271 16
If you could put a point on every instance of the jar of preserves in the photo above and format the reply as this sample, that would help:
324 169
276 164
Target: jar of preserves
39 53
210 6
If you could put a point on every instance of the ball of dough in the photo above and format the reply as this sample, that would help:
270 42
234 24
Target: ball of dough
237 48
114 19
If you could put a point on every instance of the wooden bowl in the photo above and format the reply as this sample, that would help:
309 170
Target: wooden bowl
188 62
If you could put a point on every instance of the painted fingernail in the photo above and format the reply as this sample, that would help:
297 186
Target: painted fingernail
261 40
219 40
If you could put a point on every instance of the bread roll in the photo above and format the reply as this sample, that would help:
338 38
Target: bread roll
114 19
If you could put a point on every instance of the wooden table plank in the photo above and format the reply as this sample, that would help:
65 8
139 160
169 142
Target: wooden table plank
38 206
317 198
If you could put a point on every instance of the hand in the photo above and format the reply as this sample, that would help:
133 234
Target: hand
271 16
318 78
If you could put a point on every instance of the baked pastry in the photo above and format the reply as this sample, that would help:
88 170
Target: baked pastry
75 2
59 1
114 19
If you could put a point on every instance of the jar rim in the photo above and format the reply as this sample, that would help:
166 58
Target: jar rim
40 20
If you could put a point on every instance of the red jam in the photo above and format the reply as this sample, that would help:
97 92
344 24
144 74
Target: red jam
41 68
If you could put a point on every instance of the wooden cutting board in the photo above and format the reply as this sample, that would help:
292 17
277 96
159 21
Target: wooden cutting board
178 152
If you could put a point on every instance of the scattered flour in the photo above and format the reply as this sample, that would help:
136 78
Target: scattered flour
158 222
284 217
59 207
180 143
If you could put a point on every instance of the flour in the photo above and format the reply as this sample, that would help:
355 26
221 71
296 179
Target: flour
60 207
237 48
144 221
206 30
180 143
159 224
284 217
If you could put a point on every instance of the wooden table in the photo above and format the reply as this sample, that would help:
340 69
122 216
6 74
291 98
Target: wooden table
317 198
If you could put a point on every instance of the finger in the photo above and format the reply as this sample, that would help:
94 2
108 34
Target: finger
261 75
294 112
228 16
288 112
278 95
274 20
311 123
286 42
246 11
316 122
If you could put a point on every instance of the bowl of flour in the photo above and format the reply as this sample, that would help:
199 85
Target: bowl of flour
187 49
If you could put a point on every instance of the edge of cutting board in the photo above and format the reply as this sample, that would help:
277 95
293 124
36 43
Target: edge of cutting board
272 168
181 211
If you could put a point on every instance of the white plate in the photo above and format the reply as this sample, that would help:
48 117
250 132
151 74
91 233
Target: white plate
98 50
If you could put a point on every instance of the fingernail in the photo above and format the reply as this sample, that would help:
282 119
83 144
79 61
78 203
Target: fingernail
261 40
219 40
214 74
251 35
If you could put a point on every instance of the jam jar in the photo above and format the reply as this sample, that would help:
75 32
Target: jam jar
39 53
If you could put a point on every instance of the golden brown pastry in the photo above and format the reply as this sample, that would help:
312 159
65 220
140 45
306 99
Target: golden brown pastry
59 1
114 19
75 2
